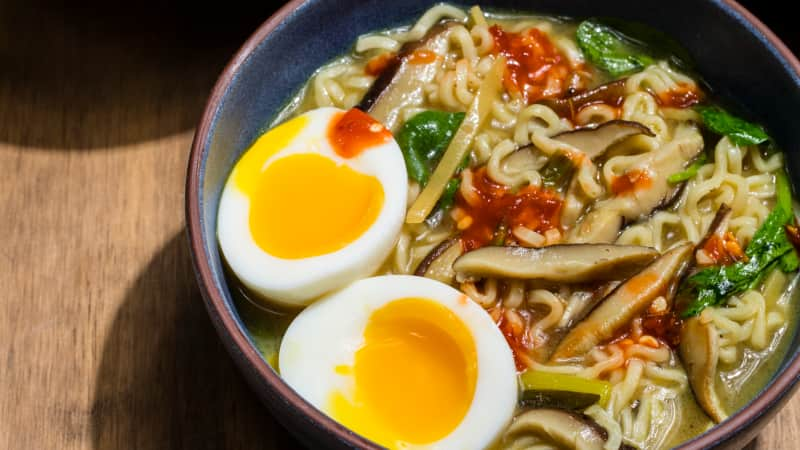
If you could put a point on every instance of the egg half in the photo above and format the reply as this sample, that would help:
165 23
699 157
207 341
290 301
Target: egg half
312 205
405 361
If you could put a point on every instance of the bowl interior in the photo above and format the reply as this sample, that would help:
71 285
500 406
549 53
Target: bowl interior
735 58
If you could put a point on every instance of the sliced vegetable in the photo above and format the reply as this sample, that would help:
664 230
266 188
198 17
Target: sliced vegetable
401 83
699 351
610 50
602 225
423 139
567 429
438 264
547 389
595 140
612 93
637 203
630 299
690 171
713 286
558 171
581 303
739 131
448 197
490 88
576 263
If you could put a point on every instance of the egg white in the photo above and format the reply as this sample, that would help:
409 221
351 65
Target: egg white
300 281
328 333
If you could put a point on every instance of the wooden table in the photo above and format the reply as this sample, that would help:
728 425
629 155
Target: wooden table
104 340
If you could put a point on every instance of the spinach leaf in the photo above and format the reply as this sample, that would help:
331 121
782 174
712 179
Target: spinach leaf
448 198
769 248
789 262
558 171
690 171
740 131
609 50
424 138
653 42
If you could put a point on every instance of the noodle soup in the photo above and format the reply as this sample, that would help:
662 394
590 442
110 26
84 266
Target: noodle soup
586 250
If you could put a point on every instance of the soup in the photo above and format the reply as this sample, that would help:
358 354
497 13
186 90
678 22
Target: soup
514 231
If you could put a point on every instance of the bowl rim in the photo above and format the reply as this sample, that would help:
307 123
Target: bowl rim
228 326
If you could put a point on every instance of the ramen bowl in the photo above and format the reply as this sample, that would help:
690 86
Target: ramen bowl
736 54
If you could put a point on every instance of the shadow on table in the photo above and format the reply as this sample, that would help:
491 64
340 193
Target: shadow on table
753 445
142 69
164 379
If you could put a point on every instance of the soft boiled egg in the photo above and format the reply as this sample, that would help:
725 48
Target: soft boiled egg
312 205
405 361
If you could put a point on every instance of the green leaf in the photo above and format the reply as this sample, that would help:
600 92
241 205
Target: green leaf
423 139
558 171
769 248
690 171
783 194
653 42
449 196
789 262
740 131
609 50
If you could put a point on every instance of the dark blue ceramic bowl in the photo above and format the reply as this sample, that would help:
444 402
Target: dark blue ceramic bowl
736 53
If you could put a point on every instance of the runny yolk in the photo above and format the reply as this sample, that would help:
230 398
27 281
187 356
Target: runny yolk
355 131
247 173
395 402
307 205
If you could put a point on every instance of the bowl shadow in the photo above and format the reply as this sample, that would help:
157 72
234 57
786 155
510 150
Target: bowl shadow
164 378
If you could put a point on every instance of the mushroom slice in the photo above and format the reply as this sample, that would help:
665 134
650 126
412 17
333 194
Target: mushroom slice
699 351
595 140
686 144
438 264
626 302
581 303
566 429
609 93
575 263
604 227
401 84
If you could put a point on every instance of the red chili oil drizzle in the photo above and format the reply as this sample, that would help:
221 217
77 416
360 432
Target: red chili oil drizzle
535 68
422 57
684 96
630 182
535 208
664 327
354 131
723 250
516 341
378 64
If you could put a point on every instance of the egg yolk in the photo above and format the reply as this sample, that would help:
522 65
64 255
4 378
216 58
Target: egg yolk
247 172
308 205
414 376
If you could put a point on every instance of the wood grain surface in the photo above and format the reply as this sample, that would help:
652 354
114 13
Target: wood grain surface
104 340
